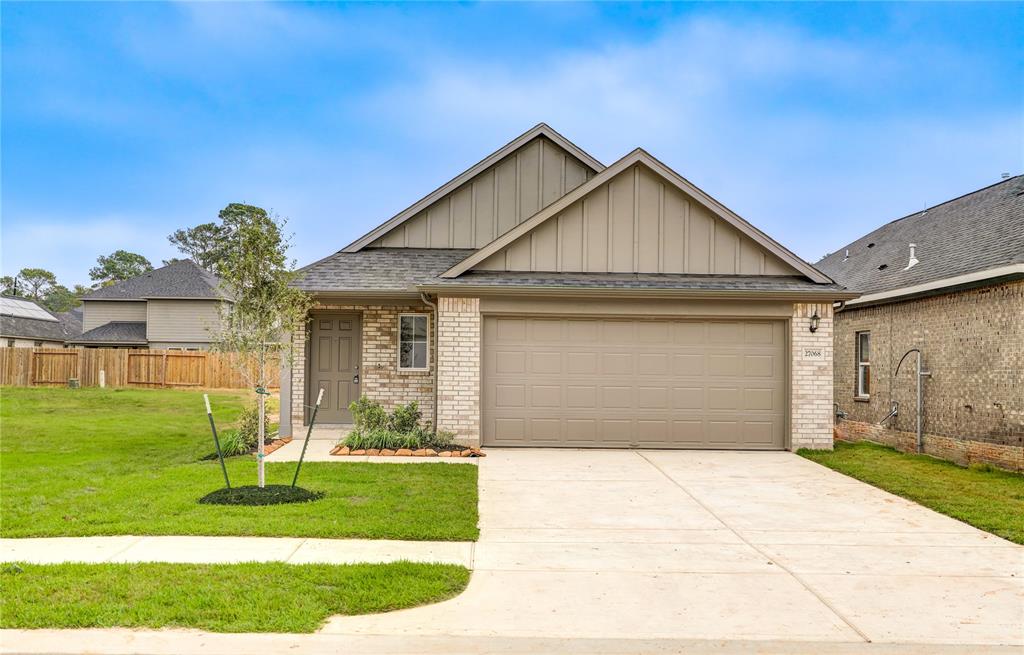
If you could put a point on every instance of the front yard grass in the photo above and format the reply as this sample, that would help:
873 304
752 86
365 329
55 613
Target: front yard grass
253 597
79 462
989 499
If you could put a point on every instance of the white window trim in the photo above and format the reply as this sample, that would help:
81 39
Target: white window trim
859 389
398 345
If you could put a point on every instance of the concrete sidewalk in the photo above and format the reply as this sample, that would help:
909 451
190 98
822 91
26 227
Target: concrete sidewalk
227 550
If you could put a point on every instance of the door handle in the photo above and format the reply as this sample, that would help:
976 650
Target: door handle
355 379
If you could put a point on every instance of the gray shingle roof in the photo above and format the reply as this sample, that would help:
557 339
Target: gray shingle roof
71 321
31 328
403 269
655 281
379 269
183 279
124 332
976 232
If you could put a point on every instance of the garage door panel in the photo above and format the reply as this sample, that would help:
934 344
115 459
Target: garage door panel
612 383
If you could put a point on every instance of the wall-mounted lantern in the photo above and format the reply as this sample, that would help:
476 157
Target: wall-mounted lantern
815 319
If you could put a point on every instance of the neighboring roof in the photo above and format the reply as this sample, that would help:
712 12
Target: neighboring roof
980 231
540 129
115 332
181 279
71 321
409 270
25 318
388 270
639 156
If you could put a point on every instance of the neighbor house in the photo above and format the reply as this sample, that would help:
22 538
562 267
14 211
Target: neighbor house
24 323
948 281
541 298
176 307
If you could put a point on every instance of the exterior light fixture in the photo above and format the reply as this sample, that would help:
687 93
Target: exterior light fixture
814 322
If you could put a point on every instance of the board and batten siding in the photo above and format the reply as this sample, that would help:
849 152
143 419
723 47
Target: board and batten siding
100 312
185 322
636 223
493 202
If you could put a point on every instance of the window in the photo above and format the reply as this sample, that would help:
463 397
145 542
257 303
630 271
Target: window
863 364
37 344
412 342
10 343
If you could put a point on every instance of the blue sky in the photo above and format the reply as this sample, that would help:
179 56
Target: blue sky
816 122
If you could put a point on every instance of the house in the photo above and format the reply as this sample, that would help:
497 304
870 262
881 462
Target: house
541 298
26 324
177 307
948 281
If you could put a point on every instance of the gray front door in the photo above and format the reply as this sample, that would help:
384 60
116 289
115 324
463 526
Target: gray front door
334 365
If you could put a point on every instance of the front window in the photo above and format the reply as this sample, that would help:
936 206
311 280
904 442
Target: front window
863 364
412 342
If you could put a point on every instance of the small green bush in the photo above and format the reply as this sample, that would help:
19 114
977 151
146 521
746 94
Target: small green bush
233 443
375 428
249 426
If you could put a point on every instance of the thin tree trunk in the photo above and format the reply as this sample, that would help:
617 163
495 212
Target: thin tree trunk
261 431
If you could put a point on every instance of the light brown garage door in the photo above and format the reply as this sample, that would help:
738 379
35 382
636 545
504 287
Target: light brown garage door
634 383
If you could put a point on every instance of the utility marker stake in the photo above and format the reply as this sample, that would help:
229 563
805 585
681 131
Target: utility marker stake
216 441
312 420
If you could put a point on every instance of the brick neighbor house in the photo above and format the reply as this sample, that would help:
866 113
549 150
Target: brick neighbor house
541 298
949 281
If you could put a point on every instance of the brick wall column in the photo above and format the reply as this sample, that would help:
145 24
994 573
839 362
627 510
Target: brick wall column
298 375
811 410
458 367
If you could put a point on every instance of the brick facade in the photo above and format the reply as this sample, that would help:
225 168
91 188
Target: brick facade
973 344
380 380
458 373
811 408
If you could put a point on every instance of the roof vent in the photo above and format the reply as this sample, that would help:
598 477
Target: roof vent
913 258
871 245
847 255
883 267
1006 176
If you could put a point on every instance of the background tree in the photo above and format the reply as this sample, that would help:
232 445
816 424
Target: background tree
118 266
205 243
61 299
256 272
32 283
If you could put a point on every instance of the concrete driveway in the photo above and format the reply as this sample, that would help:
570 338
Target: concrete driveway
715 546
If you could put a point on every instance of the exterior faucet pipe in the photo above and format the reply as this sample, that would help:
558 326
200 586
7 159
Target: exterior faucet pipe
920 397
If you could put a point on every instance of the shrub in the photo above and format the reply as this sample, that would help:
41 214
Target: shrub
249 426
232 443
375 428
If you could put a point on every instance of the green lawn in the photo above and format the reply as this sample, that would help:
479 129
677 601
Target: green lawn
108 462
251 597
991 500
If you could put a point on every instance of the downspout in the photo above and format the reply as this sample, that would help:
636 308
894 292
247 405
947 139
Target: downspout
437 322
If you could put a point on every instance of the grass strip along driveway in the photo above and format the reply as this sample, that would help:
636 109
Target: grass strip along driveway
80 462
989 499
215 597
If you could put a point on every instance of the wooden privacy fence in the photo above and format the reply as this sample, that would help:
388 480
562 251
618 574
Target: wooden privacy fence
25 367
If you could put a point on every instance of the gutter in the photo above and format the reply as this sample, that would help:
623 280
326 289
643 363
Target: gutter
673 294
979 278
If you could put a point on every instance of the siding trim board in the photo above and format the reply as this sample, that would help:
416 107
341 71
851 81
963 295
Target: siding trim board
608 177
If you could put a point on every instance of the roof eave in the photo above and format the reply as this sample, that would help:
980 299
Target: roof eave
564 291
945 285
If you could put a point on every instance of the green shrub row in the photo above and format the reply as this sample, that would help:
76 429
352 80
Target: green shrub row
374 427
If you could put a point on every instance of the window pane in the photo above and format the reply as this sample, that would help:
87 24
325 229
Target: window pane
405 354
420 328
865 347
866 389
406 328
420 355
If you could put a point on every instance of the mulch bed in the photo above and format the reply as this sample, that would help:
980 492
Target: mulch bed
443 451
272 494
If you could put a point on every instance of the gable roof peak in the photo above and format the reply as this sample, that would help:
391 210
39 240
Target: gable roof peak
540 129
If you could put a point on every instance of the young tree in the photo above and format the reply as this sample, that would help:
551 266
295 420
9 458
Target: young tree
118 266
205 243
256 273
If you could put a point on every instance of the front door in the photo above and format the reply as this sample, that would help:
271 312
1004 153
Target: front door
334 365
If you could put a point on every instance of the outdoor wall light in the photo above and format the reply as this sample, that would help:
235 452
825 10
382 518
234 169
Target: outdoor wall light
814 322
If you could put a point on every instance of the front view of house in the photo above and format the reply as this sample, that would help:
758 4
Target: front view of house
541 298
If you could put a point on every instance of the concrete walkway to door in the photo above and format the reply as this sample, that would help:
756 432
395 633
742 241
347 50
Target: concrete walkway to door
715 546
